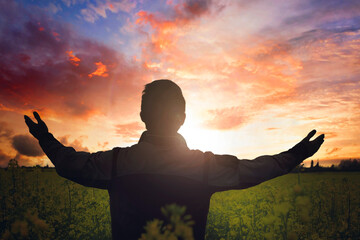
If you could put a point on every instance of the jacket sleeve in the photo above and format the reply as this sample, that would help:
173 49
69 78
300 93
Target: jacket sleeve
88 169
227 172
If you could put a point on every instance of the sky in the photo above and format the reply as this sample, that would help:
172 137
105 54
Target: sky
257 75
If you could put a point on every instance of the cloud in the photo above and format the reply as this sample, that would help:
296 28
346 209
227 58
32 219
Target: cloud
27 148
129 131
70 3
5 131
329 134
94 11
332 150
50 72
181 13
103 145
324 11
226 118
272 128
77 144
4 159
52 8
29 161
305 70
167 25
238 65
101 70
73 59
27 145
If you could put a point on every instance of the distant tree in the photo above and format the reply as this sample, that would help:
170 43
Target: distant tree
312 164
355 164
13 163
317 164
349 165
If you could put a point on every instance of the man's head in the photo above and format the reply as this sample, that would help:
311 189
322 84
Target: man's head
162 107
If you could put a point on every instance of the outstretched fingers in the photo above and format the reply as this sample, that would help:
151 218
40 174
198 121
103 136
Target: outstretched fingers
319 140
29 122
310 135
37 117
36 129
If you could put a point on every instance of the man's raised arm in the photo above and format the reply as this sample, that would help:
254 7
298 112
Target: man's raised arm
228 172
93 170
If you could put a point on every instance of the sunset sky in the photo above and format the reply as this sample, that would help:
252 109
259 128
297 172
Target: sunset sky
257 75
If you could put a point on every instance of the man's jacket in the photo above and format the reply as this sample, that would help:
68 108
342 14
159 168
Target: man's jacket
161 170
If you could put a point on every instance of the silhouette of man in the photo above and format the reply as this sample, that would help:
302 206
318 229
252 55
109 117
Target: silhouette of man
160 169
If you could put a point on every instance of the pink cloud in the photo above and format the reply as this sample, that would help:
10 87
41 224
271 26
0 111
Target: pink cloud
166 26
129 131
226 118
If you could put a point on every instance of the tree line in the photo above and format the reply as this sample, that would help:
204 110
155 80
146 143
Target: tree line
347 165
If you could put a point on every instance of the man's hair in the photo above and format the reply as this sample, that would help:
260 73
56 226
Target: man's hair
162 100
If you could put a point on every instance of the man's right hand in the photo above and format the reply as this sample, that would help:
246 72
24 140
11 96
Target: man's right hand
307 148
37 130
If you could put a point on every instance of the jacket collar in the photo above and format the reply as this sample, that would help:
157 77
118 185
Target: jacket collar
176 140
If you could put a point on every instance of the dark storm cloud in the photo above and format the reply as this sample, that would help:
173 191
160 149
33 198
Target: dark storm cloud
27 145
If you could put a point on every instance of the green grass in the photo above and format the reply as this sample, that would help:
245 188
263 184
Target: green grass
41 205
306 206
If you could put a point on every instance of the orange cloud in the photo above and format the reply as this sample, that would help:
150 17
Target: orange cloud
129 131
331 151
167 29
151 65
272 128
162 38
4 159
101 70
329 134
103 145
77 144
226 118
72 58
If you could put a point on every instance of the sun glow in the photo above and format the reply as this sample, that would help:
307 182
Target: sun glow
197 137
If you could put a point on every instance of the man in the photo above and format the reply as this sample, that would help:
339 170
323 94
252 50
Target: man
161 169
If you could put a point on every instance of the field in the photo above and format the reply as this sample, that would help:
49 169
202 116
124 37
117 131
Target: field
38 204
